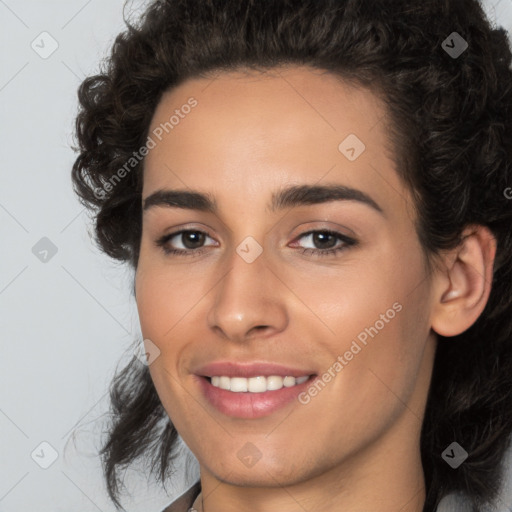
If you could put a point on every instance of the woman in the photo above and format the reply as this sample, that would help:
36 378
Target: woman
313 197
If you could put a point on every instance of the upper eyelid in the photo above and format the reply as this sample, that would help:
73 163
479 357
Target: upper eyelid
178 232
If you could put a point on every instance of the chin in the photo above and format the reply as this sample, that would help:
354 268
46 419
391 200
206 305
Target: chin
262 474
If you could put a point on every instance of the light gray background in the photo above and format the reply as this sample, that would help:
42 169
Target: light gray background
65 322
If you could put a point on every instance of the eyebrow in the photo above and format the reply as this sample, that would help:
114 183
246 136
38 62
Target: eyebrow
296 195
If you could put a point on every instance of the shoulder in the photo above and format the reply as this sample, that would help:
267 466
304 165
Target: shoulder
184 502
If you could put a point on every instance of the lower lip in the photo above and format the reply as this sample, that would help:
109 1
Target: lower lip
250 405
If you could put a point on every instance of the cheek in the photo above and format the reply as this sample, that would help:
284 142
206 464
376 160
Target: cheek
394 337
348 299
375 317
162 310
165 297
151 298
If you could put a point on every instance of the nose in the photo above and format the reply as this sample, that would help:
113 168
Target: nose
248 301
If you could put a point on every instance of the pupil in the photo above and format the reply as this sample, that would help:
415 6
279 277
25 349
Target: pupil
193 239
320 239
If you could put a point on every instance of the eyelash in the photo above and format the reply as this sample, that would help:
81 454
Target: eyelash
348 242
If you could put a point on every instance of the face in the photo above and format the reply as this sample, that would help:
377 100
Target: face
299 259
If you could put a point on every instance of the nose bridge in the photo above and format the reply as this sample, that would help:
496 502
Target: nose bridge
246 297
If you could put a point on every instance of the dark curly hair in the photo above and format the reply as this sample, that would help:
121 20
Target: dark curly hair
451 128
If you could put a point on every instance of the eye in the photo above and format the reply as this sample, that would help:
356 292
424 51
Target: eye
186 242
326 242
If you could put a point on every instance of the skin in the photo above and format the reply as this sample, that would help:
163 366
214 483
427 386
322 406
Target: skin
355 445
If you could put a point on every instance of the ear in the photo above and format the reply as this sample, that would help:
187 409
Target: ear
462 284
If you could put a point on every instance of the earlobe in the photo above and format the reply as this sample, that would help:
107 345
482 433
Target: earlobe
462 289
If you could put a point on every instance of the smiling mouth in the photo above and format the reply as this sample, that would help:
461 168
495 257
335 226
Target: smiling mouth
258 384
254 395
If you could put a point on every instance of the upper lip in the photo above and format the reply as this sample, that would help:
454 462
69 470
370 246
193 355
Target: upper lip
249 369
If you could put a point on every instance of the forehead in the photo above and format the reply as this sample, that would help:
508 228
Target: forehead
292 124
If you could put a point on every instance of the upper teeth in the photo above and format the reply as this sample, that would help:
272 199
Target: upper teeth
256 384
